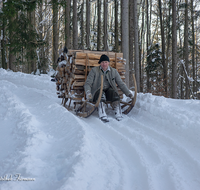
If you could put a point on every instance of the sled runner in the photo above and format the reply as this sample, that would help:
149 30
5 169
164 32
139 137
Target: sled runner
72 73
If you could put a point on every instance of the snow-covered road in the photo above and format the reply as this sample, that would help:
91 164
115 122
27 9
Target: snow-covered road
156 146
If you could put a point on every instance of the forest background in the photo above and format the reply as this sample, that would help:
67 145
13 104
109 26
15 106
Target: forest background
160 40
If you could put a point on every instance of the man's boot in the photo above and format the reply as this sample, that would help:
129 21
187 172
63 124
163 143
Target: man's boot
102 113
117 109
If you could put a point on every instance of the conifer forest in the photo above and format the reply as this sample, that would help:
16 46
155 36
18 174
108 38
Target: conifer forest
160 39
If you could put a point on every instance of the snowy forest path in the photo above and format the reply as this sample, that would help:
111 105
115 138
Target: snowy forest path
155 147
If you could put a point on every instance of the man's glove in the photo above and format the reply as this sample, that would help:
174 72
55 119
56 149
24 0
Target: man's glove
131 96
89 96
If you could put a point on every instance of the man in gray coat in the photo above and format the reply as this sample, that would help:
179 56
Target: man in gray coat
110 93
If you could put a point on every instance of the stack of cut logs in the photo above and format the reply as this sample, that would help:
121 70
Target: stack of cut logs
72 71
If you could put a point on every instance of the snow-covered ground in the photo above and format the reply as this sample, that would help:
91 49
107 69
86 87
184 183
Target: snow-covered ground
45 147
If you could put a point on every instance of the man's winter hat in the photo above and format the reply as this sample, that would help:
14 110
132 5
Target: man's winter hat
104 58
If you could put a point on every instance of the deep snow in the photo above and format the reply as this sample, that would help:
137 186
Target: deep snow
156 146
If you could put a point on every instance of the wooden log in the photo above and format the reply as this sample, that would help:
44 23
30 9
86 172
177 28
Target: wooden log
78 67
77 88
76 83
82 55
120 68
78 72
110 54
78 77
93 63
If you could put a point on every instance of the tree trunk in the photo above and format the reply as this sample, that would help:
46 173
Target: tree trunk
31 50
125 36
41 54
105 37
163 49
142 47
136 45
3 47
193 49
186 51
42 64
82 26
168 44
174 51
48 36
55 34
112 19
87 24
116 27
99 26
67 24
181 66
12 58
131 42
147 43
150 18
75 26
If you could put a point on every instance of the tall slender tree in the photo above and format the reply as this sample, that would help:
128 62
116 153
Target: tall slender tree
55 33
32 42
125 35
82 46
47 34
99 26
147 41
186 50
116 27
3 40
75 26
142 52
67 24
131 41
163 48
193 48
168 39
105 37
88 24
174 51
12 57
136 44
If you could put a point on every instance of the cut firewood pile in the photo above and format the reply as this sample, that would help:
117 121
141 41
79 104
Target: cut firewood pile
72 71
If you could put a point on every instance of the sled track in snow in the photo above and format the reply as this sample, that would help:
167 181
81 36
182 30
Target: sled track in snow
151 159
155 147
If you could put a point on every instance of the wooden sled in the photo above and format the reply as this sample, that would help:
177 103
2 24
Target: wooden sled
71 77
